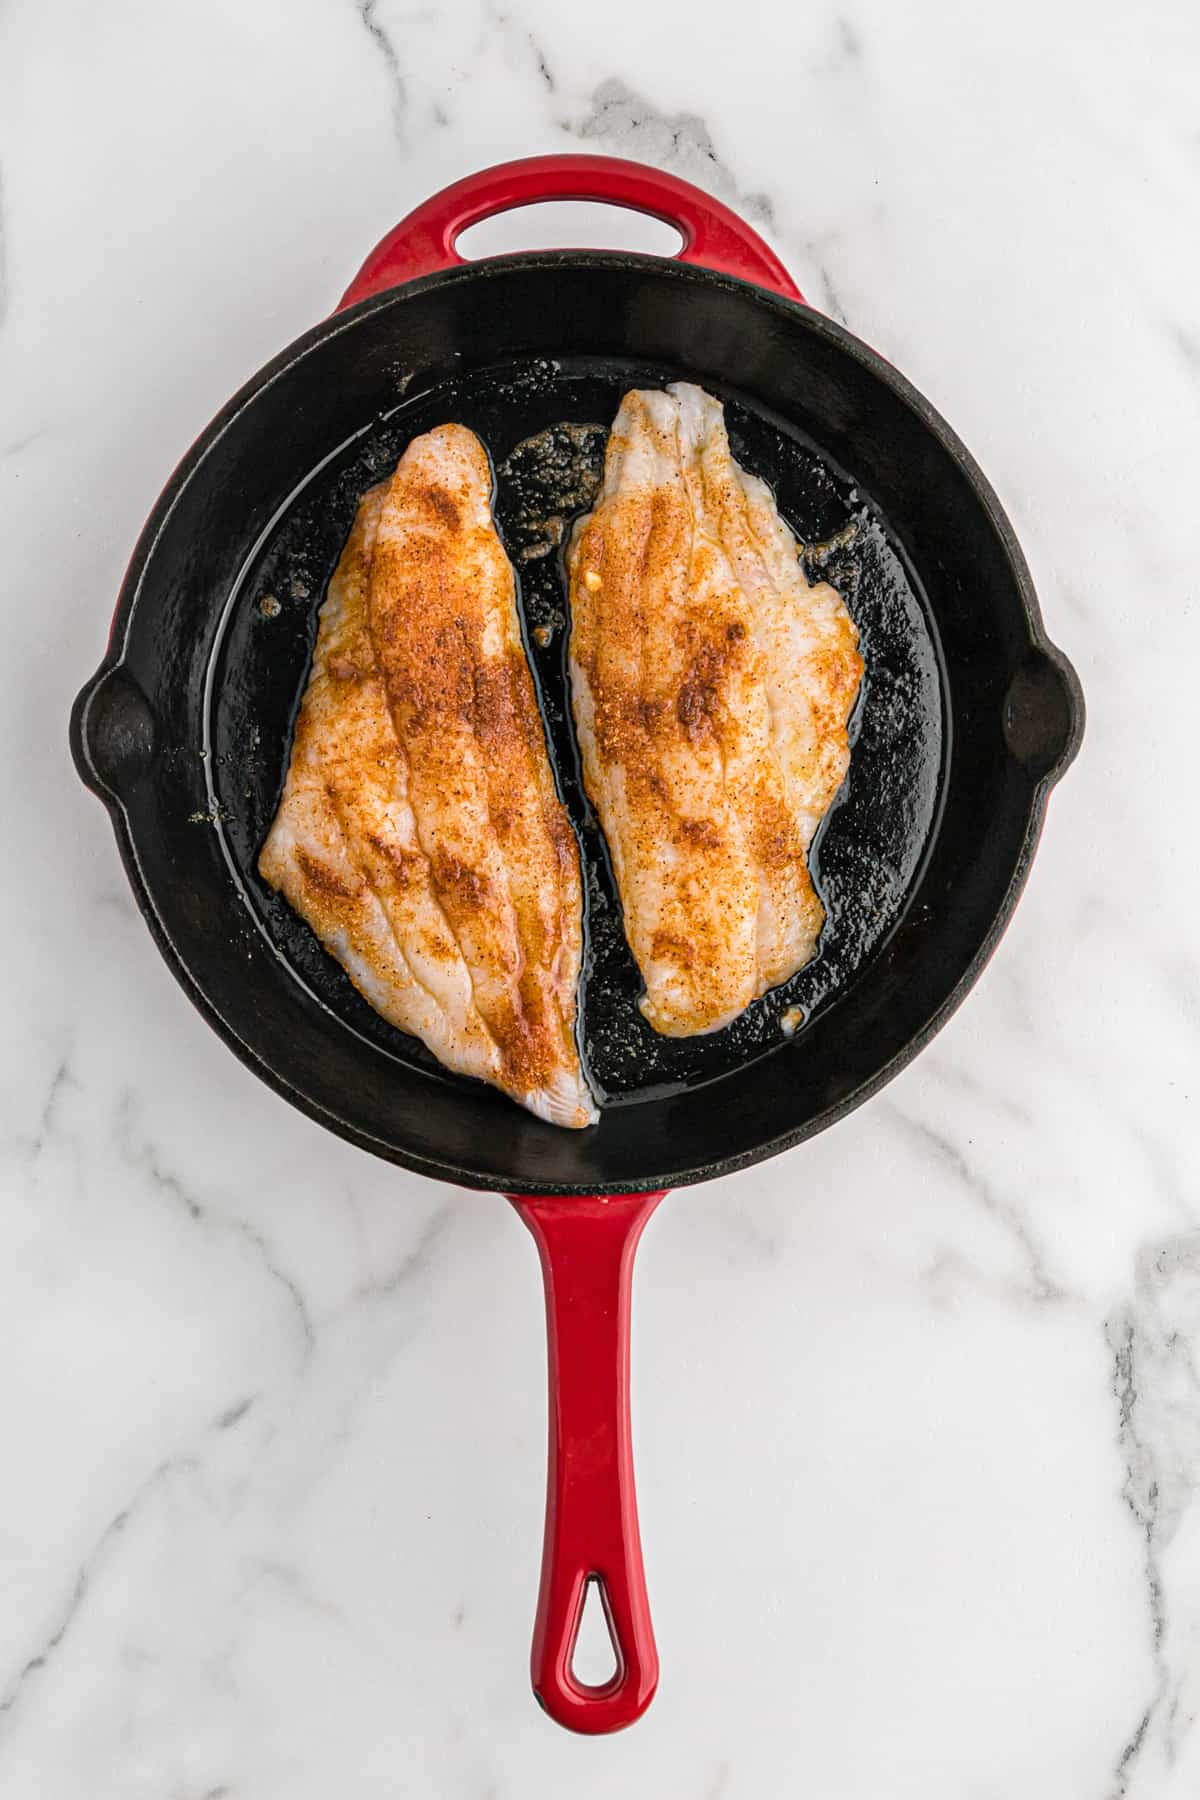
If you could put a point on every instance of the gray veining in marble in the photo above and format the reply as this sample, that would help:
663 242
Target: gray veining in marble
917 1406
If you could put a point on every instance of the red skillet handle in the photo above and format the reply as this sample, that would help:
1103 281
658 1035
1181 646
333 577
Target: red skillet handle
586 1248
713 236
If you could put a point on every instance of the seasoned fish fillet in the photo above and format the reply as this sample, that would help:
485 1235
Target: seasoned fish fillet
711 687
420 833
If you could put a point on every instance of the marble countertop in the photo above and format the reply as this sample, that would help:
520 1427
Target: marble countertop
917 1406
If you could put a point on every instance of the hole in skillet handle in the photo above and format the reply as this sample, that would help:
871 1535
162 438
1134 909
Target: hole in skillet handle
586 1245
564 224
595 1659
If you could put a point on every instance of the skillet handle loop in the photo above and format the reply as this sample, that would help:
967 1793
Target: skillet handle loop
714 237
586 1247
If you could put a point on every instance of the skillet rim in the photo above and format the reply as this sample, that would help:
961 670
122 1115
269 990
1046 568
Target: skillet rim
821 326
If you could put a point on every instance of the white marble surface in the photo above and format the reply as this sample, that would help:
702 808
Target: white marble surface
918 1405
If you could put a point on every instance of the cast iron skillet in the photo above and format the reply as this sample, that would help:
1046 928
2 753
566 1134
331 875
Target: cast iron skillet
967 718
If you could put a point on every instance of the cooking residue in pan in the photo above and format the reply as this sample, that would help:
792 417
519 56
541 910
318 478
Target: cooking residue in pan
549 478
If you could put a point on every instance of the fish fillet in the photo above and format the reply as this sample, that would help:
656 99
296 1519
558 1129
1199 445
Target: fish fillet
420 833
711 688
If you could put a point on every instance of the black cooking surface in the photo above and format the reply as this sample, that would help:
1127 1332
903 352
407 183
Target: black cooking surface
544 424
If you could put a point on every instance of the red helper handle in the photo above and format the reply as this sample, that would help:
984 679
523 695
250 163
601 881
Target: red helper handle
586 1248
713 236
